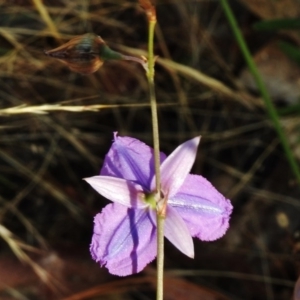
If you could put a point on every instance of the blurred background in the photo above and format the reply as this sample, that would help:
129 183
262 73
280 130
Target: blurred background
53 134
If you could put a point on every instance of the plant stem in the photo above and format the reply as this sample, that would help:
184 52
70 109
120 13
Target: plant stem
159 217
160 257
150 76
265 95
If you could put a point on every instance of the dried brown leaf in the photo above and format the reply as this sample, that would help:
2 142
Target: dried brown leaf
267 9
279 73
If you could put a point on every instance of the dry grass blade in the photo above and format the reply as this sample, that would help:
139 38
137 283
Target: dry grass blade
10 206
46 17
57 194
46 108
18 248
246 178
212 83
19 47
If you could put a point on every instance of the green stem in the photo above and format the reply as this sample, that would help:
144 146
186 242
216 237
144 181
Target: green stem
160 257
150 76
159 217
265 95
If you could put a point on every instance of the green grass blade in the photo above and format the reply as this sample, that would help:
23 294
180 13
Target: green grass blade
264 93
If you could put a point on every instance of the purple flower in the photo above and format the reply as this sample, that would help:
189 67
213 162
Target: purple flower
124 238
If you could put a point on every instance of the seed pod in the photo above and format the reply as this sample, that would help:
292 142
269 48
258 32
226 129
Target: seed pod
86 53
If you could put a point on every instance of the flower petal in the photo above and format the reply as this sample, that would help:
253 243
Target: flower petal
124 239
130 159
205 211
177 232
177 166
118 190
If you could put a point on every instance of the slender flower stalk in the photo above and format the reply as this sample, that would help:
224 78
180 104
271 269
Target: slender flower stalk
151 14
160 215
161 206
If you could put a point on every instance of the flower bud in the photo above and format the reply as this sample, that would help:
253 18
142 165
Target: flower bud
84 54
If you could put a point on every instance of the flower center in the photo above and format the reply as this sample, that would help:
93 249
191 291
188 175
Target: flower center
150 200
